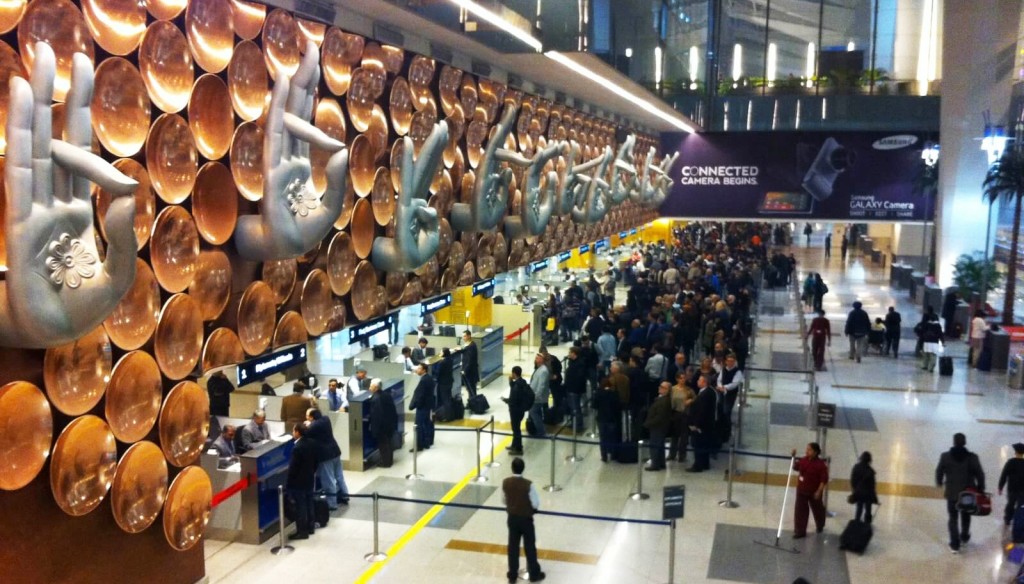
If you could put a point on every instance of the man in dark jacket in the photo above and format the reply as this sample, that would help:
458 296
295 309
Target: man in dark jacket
519 400
702 417
893 322
470 363
659 419
328 469
445 377
958 469
858 325
949 304
609 418
576 385
219 389
423 404
1012 479
301 479
383 422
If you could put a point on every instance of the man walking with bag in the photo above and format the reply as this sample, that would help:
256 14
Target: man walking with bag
958 469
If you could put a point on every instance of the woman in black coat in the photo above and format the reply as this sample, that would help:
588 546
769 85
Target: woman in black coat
862 487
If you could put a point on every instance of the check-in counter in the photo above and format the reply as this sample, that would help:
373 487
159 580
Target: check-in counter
489 341
362 442
512 317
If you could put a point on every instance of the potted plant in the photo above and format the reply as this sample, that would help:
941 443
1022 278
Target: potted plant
969 274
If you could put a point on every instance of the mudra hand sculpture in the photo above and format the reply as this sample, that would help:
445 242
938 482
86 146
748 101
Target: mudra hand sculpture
538 201
662 182
568 186
56 288
623 172
490 191
591 206
293 218
417 234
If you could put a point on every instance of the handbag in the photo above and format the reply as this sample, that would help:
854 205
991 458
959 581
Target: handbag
851 499
974 502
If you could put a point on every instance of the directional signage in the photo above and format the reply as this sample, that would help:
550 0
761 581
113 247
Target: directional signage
564 256
371 327
538 266
601 244
632 231
266 365
826 415
435 304
673 502
483 287
623 234
585 248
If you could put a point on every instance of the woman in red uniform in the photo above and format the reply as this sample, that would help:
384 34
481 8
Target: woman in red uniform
810 488
820 333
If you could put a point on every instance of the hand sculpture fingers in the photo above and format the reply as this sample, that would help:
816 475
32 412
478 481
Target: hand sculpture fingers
300 96
19 166
333 198
418 172
43 71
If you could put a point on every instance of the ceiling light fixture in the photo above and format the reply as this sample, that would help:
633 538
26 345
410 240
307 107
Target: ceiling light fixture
494 19
614 88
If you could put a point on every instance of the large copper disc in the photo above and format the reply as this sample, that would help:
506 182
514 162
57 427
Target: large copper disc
187 509
281 43
361 165
340 51
174 249
397 149
382 197
211 288
341 263
377 132
421 74
291 329
59 24
400 106
449 279
210 116
171 158
133 321
363 228
130 19
248 19
26 430
364 291
331 120
445 245
145 201
222 348
457 255
140 486
166 66
10 66
179 336
428 274
120 107
257 315
348 203
211 38
280 275
311 31
184 423
316 303
394 284
76 373
412 293
448 87
247 81
133 397
247 160
215 203
165 9
82 466
11 13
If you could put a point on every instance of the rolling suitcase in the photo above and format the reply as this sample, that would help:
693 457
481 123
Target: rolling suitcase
856 536
945 366
478 404
321 510
1017 531
458 409
626 453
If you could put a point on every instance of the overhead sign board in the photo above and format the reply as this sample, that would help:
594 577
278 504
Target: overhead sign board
538 265
564 256
585 248
369 328
483 287
266 365
435 304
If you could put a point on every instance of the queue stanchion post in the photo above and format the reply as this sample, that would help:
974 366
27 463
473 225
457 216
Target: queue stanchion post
376 555
639 494
415 475
480 477
592 432
739 414
281 549
828 465
574 457
672 551
553 487
493 463
728 503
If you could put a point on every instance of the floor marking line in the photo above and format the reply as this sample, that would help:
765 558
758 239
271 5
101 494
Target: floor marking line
892 489
903 389
502 550
1004 422
427 517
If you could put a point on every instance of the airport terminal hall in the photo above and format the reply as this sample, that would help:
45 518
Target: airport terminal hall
504 291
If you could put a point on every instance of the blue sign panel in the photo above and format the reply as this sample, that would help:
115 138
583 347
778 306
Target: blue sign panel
601 244
632 231
269 364
435 304
371 327
564 256
585 248
538 266
483 287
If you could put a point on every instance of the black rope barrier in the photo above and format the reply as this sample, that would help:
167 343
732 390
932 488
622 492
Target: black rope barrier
542 512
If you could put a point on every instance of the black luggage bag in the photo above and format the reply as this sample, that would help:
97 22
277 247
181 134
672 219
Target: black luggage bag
478 404
321 510
626 453
856 536
945 366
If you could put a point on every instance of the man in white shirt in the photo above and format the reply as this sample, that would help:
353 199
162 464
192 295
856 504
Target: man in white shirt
657 366
356 384
540 384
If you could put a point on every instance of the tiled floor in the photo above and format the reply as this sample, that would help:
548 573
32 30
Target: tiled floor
912 416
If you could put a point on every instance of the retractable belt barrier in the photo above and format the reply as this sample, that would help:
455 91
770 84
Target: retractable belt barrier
232 489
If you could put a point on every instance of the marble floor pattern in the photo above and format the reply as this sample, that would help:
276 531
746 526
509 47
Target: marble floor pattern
913 415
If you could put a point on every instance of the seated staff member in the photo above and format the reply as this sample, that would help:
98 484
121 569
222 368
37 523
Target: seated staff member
419 354
356 384
255 432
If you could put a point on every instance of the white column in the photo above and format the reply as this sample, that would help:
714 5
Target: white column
979 43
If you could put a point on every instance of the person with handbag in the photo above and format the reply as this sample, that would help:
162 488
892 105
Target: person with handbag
931 335
957 470
863 490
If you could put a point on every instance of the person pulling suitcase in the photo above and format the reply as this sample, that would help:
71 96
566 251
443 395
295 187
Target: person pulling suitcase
1012 479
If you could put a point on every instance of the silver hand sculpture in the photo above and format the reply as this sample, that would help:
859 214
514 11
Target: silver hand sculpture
538 203
663 182
292 217
490 192
57 289
568 186
624 172
417 234
591 207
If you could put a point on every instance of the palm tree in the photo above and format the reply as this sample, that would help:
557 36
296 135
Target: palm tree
1005 181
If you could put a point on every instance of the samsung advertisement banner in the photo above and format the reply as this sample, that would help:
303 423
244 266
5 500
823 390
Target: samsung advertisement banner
845 176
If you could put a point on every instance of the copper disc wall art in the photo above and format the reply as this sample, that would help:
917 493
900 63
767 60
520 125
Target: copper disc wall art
59 24
377 132
348 203
421 75
361 165
27 432
120 107
222 348
145 201
140 487
134 319
449 279
11 13
247 18
382 197
133 397
394 58
445 236
397 148
179 336
468 274
362 92
184 423
257 315
211 38
400 106
485 266
476 134
171 158
210 116
363 228
364 291
247 160
166 66
165 9
215 203
117 25
174 249
394 284
82 466
187 509
340 52
76 373
331 120
428 274
316 302
448 87
10 66
291 329
341 263
457 255
280 276
311 31
211 288
281 43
